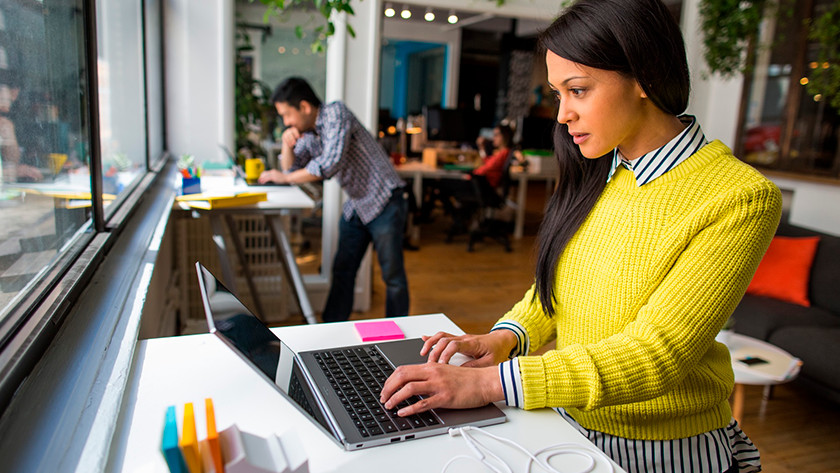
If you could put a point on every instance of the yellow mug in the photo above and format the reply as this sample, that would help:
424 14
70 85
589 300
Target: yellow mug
57 161
253 168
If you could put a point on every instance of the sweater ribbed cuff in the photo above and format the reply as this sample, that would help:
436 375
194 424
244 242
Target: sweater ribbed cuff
523 342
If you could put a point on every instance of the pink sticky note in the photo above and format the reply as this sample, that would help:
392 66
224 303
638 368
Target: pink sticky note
378 331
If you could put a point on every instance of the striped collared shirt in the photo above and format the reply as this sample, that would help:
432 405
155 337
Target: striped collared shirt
340 146
661 160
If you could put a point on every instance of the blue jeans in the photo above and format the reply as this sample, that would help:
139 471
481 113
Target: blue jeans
386 233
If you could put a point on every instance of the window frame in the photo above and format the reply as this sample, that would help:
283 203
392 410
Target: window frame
795 96
34 320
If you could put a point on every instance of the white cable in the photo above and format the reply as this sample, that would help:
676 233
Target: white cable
480 449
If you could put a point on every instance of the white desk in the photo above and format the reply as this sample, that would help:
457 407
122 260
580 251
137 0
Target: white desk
173 371
280 199
418 171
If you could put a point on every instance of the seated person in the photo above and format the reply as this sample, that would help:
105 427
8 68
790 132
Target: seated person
10 155
493 166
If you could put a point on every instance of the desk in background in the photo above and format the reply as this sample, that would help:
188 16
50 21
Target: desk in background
176 370
418 171
280 200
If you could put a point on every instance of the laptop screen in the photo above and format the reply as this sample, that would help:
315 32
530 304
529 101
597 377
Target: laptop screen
230 320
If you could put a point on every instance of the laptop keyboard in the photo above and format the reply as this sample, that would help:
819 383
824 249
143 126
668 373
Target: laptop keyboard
357 375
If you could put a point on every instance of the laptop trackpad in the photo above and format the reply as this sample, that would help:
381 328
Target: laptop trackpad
403 352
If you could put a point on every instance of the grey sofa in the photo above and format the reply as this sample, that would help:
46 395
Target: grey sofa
812 334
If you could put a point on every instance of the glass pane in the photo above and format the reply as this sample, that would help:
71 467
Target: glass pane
768 94
122 123
815 132
814 143
154 78
44 179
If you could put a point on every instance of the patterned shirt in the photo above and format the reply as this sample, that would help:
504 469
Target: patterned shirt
661 160
708 452
340 146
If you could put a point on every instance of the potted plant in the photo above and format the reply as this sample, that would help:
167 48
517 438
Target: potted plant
255 114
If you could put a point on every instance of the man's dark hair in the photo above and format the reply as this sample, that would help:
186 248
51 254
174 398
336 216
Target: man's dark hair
294 89
638 39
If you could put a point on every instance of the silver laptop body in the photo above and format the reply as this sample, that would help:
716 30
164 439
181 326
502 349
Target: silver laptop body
329 386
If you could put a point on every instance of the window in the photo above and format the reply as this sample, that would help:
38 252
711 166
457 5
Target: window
784 127
75 145
45 192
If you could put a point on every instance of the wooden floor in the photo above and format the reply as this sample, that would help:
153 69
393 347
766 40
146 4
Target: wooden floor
795 431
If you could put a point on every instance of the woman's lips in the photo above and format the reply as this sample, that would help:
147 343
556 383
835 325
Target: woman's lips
579 137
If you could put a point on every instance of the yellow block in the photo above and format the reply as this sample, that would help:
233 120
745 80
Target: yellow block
189 441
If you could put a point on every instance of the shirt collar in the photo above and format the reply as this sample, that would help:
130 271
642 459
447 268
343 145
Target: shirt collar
655 163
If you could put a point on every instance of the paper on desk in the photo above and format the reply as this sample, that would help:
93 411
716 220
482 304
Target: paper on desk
214 201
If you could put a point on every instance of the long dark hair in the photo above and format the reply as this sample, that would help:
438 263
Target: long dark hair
636 38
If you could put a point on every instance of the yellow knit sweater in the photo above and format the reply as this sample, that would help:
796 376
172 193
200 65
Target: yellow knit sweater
642 289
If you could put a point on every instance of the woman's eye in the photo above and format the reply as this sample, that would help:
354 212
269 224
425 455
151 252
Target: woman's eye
577 91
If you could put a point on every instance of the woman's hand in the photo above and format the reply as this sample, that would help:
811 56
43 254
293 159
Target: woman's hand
488 350
441 385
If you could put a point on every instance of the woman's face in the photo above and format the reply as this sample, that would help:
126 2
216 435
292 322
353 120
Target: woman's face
498 140
603 110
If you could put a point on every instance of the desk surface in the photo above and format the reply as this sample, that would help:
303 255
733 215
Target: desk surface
278 197
176 370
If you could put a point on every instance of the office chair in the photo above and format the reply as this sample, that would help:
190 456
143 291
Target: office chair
490 219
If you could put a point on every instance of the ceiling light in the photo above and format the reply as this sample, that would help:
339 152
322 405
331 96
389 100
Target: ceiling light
453 18
430 14
389 10
405 13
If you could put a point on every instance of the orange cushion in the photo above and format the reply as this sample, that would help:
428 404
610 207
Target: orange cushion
785 271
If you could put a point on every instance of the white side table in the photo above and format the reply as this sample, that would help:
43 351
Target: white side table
781 366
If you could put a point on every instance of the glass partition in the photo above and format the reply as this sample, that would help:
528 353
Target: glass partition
786 126
45 185
122 115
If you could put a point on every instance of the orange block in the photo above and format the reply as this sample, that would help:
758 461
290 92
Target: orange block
213 437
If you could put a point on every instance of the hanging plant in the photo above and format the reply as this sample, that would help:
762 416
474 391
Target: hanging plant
325 7
824 80
728 28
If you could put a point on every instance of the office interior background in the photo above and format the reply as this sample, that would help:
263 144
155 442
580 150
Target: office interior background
107 95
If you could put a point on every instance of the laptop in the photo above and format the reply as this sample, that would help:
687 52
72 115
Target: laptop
240 173
337 388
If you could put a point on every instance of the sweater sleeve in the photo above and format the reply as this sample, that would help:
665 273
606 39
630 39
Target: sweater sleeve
675 325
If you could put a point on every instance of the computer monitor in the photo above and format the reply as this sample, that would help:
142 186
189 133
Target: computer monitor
448 124
537 133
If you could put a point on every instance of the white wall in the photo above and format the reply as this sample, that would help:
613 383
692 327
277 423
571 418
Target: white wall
199 77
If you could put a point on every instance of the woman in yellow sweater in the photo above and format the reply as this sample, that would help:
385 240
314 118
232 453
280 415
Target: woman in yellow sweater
646 248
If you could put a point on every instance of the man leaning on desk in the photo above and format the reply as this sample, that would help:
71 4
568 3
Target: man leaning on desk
322 141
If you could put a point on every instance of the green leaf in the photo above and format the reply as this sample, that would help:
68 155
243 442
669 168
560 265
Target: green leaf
351 31
299 32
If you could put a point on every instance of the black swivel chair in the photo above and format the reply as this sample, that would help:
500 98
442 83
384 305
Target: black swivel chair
488 220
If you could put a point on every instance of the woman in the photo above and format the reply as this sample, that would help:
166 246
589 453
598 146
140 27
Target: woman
646 248
493 166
